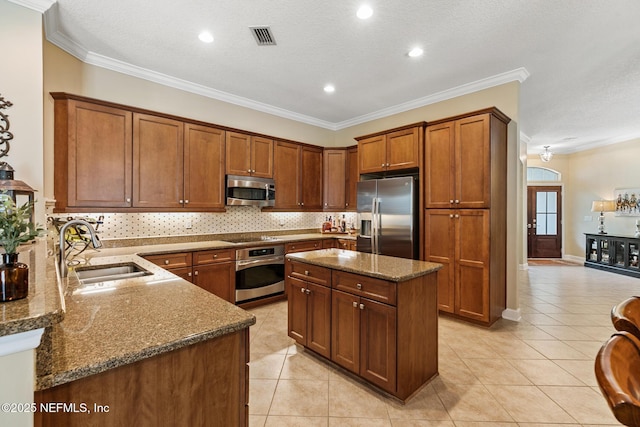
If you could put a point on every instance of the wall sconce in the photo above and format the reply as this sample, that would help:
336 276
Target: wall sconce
546 155
603 206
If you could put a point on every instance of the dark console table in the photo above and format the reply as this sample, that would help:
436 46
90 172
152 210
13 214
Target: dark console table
618 254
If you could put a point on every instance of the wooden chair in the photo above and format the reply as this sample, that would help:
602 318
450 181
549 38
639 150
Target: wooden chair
617 370
626 316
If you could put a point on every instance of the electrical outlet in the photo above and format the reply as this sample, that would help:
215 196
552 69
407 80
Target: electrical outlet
588 218
188 224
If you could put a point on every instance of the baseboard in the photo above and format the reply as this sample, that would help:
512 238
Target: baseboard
511 314
574 258
524 266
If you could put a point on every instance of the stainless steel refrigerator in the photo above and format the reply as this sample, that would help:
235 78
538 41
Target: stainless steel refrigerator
387 213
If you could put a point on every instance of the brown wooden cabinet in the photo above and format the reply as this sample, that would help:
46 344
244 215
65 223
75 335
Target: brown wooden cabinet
212 270
465 220
93 155
249 155
118 159
298 176
353 176
191 386
309 318
203 167
335 179
303 246
215 271
348 244
391 150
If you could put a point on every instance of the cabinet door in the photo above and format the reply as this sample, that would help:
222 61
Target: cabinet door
403 149
157 162
353 176
319 319
311 181
439 247
203 167
372 153
345 330
439 164
286 173
219 279
261 157
184 273
334 174
472 166
297 310
99 144
238 158
472 263
378 343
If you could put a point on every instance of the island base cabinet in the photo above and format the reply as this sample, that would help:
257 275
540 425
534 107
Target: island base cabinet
364 338
203 384
309 315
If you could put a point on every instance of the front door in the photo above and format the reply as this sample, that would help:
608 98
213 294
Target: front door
544 221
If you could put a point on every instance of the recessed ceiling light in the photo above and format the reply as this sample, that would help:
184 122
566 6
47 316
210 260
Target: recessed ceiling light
205 37
364 12
329 88
415 52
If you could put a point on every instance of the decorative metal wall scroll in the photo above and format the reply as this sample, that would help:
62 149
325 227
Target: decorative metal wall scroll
5 135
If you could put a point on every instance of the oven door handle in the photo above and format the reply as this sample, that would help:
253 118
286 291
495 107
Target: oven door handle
244 264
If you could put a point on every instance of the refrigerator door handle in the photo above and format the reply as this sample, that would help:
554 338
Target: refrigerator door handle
375 223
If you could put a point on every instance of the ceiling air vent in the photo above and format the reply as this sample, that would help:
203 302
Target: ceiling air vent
263 36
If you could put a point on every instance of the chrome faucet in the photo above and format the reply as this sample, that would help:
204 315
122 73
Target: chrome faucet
95 241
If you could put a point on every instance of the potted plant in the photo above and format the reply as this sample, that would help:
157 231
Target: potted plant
15 229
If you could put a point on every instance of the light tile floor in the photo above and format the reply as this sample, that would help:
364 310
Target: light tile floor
537 372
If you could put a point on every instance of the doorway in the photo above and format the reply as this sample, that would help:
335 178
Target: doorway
544 221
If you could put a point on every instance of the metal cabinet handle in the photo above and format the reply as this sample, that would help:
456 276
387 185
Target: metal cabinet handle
457 201
189 274
450 200
388 164
166 262
355 304
307 291
302 290
128 199
186 202
306 272
302 204
361 306
195 273
181 201
450 215
457 216
382 165
215 255
359 285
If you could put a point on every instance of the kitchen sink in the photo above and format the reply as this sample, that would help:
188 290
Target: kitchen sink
104 273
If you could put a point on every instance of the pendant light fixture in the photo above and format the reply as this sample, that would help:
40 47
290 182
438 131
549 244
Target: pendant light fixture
546 155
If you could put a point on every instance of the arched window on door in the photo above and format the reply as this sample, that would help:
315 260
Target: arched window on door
538 174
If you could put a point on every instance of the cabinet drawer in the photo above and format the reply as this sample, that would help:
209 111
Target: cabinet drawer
218 255
309 273
310 245
346 244
180 259
372 288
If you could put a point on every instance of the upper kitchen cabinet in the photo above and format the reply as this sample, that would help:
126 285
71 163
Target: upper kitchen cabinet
158 166
465 160
335 179
353 176
93 155
122 159
298 176
249 155
204 148
391 150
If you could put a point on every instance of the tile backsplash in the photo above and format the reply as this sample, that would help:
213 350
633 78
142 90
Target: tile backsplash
237 219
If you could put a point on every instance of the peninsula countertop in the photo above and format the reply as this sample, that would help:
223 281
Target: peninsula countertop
379 266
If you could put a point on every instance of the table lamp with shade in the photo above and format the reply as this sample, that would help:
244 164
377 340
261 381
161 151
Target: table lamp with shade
603 206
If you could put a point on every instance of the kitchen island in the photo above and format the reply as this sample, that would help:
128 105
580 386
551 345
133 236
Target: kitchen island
373 315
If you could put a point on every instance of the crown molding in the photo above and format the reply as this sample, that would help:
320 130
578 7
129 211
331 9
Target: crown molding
56 37
37 5
519 75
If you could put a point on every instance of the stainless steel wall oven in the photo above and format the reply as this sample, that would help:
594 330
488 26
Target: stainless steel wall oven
259 272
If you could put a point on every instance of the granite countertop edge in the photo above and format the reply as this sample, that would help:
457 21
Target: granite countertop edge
308 258
59 378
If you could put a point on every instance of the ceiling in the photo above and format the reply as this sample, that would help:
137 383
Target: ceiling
578 60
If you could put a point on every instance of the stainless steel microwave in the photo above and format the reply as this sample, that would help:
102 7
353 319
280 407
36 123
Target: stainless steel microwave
250 191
